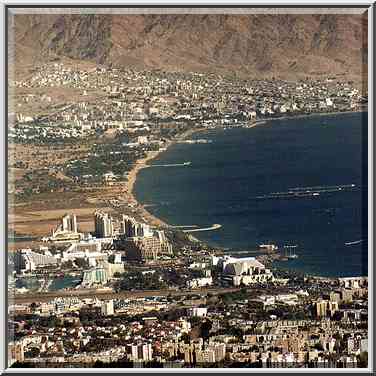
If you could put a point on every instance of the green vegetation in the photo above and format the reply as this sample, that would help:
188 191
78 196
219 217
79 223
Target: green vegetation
135 280
232 297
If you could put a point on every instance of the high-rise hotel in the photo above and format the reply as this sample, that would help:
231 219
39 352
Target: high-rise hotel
103 225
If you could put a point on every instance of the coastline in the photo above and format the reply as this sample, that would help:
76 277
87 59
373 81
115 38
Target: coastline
289 117
130 184
143 163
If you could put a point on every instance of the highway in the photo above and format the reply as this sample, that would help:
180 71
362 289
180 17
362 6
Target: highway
102 294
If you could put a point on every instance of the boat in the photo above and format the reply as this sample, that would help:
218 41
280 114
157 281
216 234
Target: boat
354 242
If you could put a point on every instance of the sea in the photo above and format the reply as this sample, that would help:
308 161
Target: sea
245 179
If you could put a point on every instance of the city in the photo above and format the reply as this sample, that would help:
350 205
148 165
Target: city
96 280
158 297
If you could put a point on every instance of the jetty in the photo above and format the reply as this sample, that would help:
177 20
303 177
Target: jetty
216 226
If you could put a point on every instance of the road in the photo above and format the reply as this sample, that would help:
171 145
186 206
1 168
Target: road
101 294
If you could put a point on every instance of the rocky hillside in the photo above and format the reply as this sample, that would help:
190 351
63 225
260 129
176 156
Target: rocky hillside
285 46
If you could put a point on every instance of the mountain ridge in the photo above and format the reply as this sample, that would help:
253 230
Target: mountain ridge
262 45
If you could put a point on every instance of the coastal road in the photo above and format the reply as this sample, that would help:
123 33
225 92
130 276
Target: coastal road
102 294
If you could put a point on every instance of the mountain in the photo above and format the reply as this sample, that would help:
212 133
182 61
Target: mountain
259 45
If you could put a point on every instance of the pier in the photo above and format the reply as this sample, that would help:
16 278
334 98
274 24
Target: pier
216 226
171 164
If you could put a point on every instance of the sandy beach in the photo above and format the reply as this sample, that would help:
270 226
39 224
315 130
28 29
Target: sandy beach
143 163
129 186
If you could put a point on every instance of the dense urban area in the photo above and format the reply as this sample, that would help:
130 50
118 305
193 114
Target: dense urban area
96 281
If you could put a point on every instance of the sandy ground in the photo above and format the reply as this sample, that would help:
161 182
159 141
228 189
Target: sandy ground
41 216
42 222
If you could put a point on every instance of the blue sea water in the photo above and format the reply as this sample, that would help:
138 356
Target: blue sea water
225 177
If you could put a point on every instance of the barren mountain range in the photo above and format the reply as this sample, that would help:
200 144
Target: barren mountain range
284 46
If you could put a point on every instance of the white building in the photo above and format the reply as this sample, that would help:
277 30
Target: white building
244 271
329 102
107 308
117 259
205 356
27 260
69 223
219 350
141 352
198 312
103 225
199 282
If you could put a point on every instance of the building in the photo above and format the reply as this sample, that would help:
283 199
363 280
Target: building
117 258
69 223
15 352
198 312
141 352
103 225
97 276
107 308
189 353
332 307
140 242
205 356
28 260
130 228
321 308
243 271
346 295
335 296
184 325
66 231
91 248
199 282
166 247
110 268
143 248
364 345
219 350
353 282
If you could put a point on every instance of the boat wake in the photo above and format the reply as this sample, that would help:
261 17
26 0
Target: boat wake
354 242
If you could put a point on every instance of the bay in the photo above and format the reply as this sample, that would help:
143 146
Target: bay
226 178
